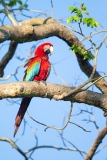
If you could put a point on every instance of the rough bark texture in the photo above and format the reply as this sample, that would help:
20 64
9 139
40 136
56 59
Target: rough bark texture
8 56
48 90
96 143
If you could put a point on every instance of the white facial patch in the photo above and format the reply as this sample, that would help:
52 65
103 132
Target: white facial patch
51 49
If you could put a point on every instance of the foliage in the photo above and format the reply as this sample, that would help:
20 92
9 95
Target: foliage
12 3
79 16
78 49
82 17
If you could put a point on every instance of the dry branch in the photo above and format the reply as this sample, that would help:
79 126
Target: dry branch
14 146
7 57
48 90
96 143
37 21
55 147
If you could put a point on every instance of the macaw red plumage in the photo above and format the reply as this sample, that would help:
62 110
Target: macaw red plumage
38 68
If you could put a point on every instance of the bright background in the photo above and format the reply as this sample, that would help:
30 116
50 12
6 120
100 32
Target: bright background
53 112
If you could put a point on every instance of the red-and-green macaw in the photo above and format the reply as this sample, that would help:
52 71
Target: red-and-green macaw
38 68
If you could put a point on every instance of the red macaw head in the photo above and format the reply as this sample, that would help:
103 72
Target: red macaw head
44 49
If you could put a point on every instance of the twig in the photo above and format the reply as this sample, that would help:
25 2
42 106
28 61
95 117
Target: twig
100 149
30 10
95 123
102 42
14 146
81 111
68 120
80 28
12 74
94 82
12 102
34 132
13 21
54 147
74 147
88 120
80 33
36 138
37 11
91 35
79 126
52 9
58 75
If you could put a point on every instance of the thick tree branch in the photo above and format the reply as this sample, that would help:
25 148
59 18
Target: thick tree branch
96 143
37 21
48 90
7 57
87 69
28 33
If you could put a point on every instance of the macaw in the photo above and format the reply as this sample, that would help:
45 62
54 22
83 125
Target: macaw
38 68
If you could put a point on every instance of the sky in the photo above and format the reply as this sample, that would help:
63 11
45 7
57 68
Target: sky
51 112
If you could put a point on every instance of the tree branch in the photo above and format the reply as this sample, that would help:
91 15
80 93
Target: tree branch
6 11
55 147
96 143
37 21
7 57
14 146
56 128
48 90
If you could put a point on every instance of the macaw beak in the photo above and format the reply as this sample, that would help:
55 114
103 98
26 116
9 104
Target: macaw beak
49 50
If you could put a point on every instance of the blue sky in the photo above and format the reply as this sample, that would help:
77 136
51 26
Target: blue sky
53 112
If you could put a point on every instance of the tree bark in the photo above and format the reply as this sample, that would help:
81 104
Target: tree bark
48 90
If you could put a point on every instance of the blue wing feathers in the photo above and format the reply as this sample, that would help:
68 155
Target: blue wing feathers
32 71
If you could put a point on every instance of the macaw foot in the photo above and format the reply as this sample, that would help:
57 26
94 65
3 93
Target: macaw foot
43 82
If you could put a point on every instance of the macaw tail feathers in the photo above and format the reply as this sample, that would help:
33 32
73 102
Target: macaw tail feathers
23 107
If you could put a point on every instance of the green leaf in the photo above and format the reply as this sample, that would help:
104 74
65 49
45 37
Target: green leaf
25 5
12 3
73 19
79 16
80 50
85 12
71 8
90 22
20 2
83 7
